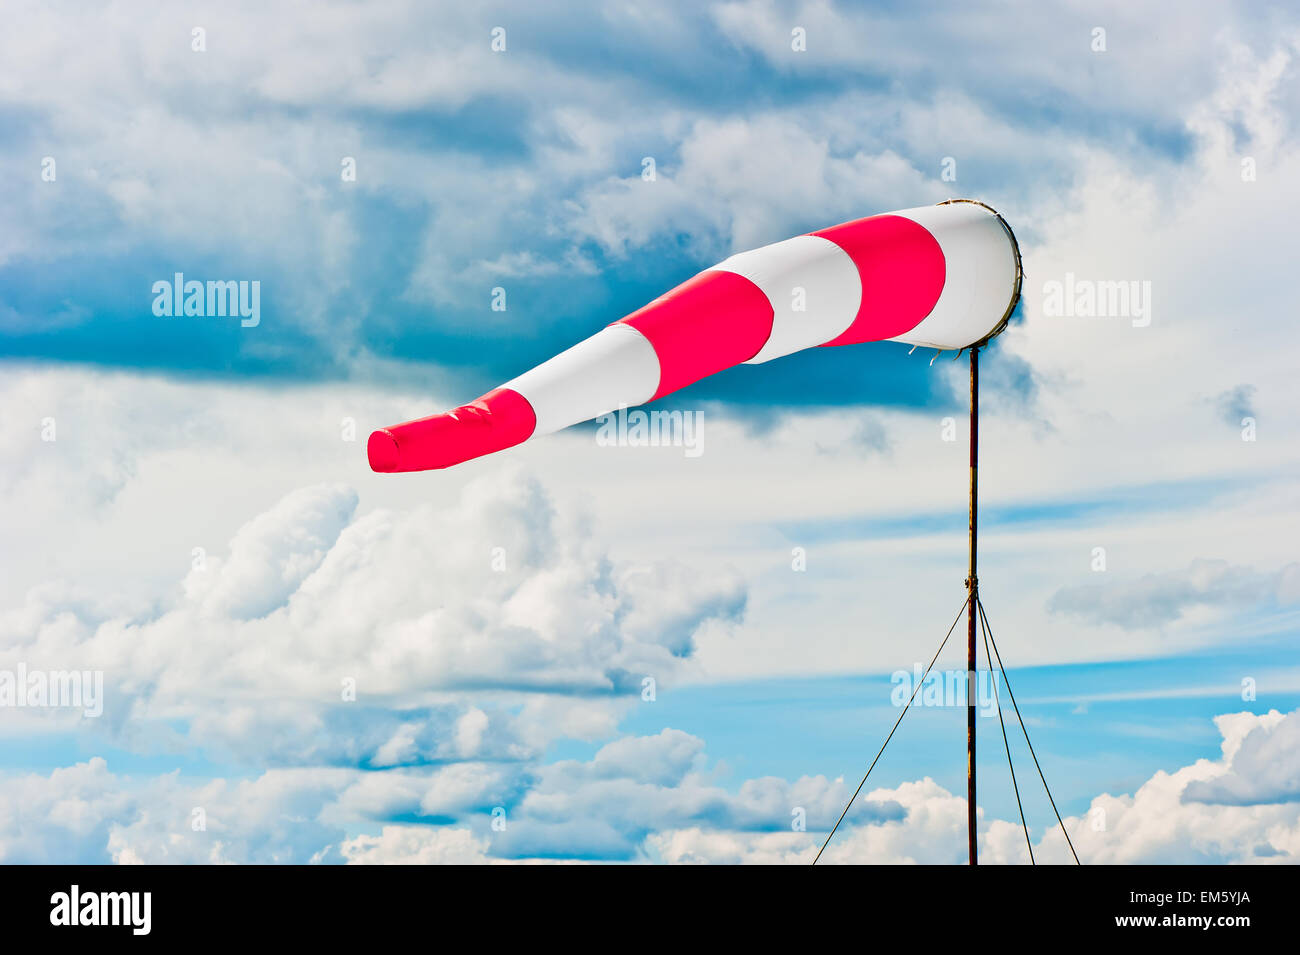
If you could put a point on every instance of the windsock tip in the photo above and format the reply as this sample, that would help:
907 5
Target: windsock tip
381 449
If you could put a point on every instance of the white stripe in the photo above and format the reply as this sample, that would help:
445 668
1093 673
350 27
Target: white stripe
980 274
814 288
616 366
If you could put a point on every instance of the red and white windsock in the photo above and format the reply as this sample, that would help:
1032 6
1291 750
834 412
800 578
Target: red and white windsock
944 276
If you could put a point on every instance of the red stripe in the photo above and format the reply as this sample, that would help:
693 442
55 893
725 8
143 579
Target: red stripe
902 270
706 324
500 419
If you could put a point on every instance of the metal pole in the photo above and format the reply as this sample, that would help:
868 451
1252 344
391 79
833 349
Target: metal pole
972 590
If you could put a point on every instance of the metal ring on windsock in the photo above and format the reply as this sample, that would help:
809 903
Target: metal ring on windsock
945 276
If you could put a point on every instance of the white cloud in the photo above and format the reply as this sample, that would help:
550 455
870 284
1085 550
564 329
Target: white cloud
404 845
1258 751
1170 819
1158 599
720 190
272 555
66 815
409 611
645 799
1240 809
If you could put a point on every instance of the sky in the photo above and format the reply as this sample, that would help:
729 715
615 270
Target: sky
573 651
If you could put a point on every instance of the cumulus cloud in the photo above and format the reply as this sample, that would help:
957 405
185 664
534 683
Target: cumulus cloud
719 190
271 555
600 809
1260 764
1184 817
1242 808
647 799
66 815
321 635
403 845
609 806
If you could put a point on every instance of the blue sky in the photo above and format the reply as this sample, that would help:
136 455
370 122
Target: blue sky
204 529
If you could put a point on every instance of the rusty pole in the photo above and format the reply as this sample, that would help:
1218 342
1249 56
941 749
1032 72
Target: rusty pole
972 591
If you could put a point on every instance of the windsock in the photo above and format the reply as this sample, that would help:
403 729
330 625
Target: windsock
944 277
